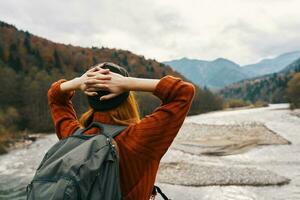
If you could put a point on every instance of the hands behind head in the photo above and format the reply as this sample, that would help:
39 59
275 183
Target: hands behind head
97 78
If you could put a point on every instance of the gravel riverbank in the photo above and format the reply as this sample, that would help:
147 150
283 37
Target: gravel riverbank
254 154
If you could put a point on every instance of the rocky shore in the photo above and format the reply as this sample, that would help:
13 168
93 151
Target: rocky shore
220 140
187 174
22 141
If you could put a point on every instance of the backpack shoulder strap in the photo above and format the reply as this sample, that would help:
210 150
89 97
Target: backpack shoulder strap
112 130
156 190
107 129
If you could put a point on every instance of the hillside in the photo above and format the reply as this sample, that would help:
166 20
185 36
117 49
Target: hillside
29 64
21 51
212 74
270 88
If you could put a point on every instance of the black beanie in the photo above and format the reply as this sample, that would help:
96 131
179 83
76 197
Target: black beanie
104 105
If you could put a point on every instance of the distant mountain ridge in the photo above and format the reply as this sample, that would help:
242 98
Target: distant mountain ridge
213 74
273 65
221 72
293 67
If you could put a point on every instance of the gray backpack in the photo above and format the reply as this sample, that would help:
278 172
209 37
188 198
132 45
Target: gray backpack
79 167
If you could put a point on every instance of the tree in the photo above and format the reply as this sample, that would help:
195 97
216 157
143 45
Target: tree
9 90
35 103
293 91
57 60
1 53
27 43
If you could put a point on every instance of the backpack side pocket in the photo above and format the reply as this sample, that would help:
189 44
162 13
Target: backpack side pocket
62 188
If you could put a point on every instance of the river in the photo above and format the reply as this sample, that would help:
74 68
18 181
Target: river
18 166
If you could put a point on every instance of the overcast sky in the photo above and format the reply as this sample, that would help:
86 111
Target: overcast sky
241 30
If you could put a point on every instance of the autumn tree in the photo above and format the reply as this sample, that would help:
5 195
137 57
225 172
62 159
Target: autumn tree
293 91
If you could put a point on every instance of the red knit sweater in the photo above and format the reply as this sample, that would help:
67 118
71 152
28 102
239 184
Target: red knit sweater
141 145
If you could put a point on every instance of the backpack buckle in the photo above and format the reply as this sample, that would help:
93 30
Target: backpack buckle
112 147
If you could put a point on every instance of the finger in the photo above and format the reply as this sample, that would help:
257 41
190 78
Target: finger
98 65
94 81
98 78
103 71
96 73
91 89
90 93
108 96
91 74
92 69
101 64
98 68
97 86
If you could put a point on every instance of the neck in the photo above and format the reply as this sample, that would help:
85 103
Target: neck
102 117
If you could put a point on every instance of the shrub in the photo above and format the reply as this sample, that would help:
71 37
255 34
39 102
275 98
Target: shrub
236 103
260 103
8 120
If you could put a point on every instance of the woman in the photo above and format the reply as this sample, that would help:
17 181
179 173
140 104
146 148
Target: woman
143 143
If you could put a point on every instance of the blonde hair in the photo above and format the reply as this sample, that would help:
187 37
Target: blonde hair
125 114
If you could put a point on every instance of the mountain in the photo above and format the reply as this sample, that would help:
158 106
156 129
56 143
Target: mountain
294 66
30 64
221 72
213 74
268 66
270 88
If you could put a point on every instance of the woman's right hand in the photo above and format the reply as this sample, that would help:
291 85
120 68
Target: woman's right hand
79 82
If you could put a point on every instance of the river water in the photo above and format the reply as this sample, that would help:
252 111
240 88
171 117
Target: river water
18 166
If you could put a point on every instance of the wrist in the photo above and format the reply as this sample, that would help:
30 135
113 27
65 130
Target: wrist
127 83
71 85
140 84
77 82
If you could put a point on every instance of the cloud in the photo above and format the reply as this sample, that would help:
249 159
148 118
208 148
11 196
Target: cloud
241 30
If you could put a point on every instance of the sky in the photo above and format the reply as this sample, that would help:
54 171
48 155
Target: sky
244 31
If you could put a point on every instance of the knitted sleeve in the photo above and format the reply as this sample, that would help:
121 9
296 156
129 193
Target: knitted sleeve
153 135
62 110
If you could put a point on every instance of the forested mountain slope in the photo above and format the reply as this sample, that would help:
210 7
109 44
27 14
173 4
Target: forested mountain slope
270 88
29 64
